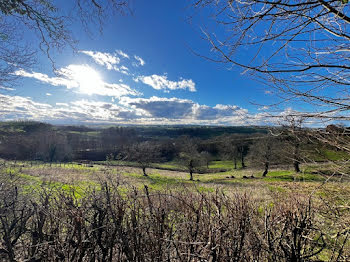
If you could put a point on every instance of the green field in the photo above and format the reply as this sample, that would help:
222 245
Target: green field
170 175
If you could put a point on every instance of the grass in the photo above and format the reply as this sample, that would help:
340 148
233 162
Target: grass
89 133
157 181
291 176
333 155
325 154
169 165
226 164
173 165
32 177
80 177
218 164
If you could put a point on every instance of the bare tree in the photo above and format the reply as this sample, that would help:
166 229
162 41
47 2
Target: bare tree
144 153
189 155
242 149
294 138
51 145
234 148
265 152
301 48
207 157
229 150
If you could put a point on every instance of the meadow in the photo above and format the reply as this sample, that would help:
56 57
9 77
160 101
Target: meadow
309 209
170 175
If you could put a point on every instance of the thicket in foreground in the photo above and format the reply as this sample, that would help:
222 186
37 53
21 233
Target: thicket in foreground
110 223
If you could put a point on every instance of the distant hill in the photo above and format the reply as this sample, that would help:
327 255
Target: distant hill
152 131
203 132
14 127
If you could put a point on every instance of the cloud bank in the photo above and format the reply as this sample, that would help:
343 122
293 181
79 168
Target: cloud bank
154 110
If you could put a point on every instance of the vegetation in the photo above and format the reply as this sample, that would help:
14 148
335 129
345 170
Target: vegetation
114 221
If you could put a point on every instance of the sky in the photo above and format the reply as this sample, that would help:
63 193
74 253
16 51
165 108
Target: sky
145 68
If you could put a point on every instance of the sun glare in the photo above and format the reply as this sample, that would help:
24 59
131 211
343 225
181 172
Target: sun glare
86 78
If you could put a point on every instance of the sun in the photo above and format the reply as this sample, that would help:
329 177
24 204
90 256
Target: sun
87 79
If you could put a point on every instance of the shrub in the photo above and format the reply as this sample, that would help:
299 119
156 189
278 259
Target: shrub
114 224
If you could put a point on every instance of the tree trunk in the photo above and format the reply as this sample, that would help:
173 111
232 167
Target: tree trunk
190 167
266 169
235 162
144 171
296 157
296 164
242 159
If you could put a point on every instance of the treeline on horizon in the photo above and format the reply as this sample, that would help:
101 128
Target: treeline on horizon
30 140
25 140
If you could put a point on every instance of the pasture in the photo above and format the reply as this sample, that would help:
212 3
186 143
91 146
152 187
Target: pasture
166 176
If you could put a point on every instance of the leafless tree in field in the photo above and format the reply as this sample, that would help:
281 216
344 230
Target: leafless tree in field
229 150
144 153
188 153
234 148
265 152
207 157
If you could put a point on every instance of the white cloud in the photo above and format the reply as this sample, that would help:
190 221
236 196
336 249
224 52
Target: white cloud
140 61
7 88
186 111
84 79
55 81
124 70
263 108
18 107
109 60
104 59
159 107
121 53
48 94
162 83
62 104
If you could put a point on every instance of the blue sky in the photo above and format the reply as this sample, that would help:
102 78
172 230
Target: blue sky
140 70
